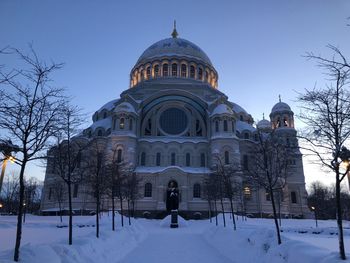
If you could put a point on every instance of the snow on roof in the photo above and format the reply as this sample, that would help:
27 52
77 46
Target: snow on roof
264 124
103 123
109 105
280 106
236 108
221 109
241 126
125 107
158 169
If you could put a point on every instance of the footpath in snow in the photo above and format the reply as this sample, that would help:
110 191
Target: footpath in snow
149 241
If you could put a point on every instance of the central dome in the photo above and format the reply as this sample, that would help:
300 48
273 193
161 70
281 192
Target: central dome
173 47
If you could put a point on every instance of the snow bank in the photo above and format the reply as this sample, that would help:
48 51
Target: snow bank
165 222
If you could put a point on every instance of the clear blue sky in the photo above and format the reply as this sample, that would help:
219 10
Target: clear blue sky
256 46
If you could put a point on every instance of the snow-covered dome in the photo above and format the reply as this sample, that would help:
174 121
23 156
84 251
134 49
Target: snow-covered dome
125 107
280 106
174 47
264 124
221 109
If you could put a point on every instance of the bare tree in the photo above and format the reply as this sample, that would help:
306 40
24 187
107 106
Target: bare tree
28 115
96 177
66 156
59 194
132 189
268 168
209 193
326 112
10 193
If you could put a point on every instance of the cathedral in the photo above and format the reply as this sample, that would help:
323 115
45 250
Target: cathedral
170 123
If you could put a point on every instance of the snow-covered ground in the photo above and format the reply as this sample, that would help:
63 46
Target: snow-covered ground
153 241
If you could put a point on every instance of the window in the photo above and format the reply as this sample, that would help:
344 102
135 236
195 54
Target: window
50 193
172 158
130 125
142 74
174 70
156 71
165 70
158 159
99 133
241 117
148 190
285 122
217 126
148 72
173 121
245 162
188 159
202 160
143 159
105 115
227 157
75 190
200 74
196 191
293 196
206 76
192 72
225 126
121 123
267 195
233 126
119 155
256 138
183 70
247 193
78 159
288 142
246 135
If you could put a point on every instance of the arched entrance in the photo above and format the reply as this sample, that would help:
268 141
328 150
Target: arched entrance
172 196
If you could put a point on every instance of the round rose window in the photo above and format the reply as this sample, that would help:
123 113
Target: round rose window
173 121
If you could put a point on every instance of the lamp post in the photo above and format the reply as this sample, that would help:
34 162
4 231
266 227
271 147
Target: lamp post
314 209
6 148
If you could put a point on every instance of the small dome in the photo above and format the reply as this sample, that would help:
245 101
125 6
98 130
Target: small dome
264 124
221 109
280 106
174 47
125 107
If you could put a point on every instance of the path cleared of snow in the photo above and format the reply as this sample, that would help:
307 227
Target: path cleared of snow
149 241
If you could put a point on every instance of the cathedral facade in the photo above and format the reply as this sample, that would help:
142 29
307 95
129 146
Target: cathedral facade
170 124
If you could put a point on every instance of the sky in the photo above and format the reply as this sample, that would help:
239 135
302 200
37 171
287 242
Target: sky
257 47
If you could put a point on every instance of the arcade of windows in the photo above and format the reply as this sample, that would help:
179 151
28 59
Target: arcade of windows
173 160
173 69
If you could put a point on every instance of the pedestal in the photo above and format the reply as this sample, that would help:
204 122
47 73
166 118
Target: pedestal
174 223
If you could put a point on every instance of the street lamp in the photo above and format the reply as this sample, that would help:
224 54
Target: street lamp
314 209
6 148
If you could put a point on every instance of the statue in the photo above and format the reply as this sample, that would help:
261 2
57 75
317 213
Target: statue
172 201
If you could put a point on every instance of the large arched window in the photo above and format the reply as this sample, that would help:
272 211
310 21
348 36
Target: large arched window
188 159
196 191
227 157
148 72
174 70
165 70
192 72
202 159
130 125
206 76
119 155
172 159
158 159
148 190
200 74
143 159
225 126
183 70
121 123
156 71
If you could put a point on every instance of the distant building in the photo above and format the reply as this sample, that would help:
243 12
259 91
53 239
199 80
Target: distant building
171 123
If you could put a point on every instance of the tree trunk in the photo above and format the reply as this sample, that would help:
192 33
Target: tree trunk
113 213
60 208
20 211
223 211
70 238
216 212
275 218
339 218
129 213
209 203
98 215
121 210
233 216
